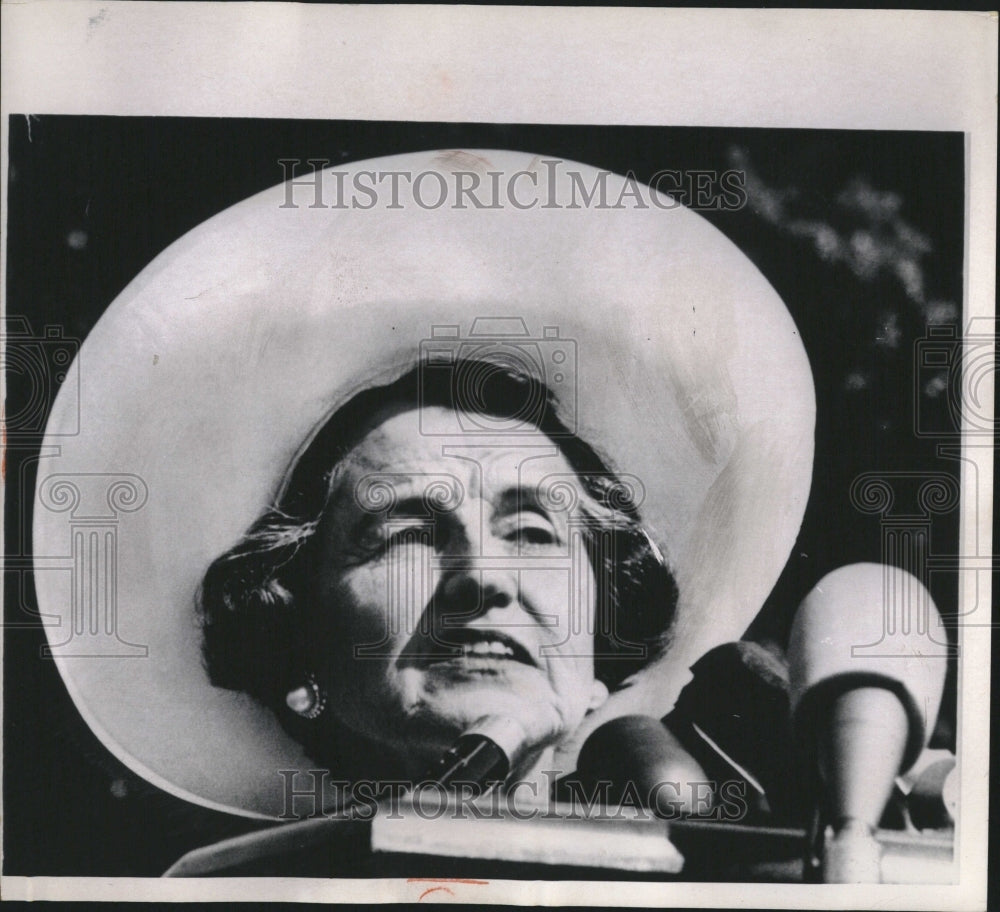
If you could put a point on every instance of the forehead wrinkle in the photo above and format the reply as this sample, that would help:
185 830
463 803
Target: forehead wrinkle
403 454
488 467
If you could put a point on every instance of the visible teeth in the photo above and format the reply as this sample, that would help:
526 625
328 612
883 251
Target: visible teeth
487 647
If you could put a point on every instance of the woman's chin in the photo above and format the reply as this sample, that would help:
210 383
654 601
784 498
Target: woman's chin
458 708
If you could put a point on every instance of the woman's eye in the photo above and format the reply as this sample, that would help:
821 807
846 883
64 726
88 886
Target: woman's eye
535 535
379 538
531 529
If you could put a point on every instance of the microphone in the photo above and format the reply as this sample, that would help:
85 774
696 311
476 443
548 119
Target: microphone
637 752
864 710
484 753
730 725
931 789
733 718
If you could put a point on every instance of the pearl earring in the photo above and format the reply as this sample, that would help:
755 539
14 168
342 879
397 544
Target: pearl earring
308 701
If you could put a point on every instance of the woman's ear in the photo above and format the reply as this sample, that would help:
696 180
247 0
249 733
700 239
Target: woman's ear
598 695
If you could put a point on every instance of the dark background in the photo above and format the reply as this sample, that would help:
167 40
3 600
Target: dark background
861 233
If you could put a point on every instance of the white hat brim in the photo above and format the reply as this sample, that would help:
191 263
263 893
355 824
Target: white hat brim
202 380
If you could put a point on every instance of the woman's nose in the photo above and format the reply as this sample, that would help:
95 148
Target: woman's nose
474 591
471 583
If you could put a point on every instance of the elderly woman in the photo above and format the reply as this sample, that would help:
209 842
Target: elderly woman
301 612
339 555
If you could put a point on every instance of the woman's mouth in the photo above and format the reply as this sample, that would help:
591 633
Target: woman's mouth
468 647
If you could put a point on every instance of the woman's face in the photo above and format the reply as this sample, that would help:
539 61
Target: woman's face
449 586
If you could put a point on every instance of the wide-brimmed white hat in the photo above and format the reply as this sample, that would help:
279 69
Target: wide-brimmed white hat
677 361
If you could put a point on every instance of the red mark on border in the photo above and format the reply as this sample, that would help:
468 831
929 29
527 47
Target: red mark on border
443 880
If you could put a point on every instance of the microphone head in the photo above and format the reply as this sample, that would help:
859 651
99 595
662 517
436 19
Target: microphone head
484 754
868 626
738 700
931 788
505 732
638 750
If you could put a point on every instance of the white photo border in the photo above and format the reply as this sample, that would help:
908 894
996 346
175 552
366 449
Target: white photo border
886 70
